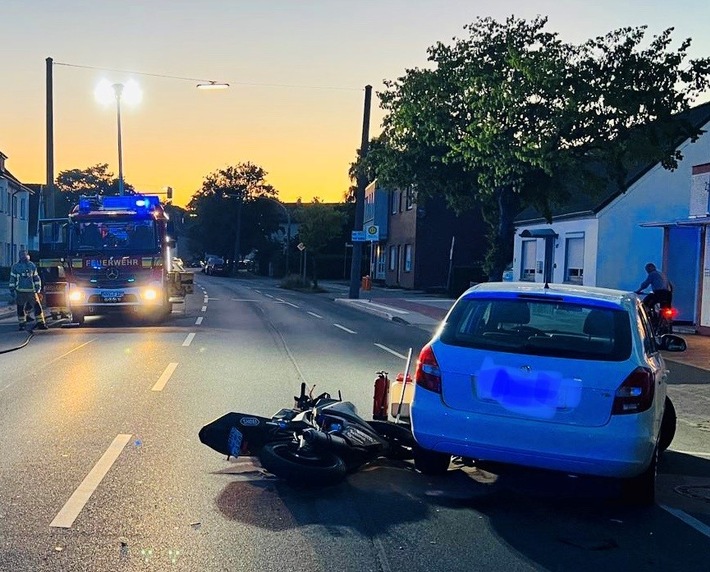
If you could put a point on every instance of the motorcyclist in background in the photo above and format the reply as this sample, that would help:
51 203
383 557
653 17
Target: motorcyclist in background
662 290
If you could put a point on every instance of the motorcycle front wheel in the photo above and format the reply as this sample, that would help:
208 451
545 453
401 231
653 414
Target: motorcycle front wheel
301 465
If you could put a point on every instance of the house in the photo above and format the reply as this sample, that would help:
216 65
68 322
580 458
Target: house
429 246
14 215
607 240
376 221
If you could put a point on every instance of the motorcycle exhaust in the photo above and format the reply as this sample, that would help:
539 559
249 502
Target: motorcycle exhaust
322 440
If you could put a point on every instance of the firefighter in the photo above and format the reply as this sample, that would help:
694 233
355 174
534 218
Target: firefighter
25 285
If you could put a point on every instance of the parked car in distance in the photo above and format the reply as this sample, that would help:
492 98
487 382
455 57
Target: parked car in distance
215 266
560 377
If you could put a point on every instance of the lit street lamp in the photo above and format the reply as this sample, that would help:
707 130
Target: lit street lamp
130 93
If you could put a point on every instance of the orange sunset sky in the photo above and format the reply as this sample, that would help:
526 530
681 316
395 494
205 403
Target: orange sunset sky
297 71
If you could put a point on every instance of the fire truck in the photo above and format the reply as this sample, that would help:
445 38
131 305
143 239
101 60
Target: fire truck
112 254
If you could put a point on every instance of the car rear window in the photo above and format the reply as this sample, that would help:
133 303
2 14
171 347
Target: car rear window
551 328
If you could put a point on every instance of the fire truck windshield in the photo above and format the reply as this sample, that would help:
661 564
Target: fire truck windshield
113 235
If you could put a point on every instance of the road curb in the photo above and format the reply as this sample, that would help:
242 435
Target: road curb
363 306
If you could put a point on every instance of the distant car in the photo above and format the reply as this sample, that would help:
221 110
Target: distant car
559 377
215 267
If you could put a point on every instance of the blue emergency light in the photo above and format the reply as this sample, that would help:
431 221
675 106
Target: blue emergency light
137 203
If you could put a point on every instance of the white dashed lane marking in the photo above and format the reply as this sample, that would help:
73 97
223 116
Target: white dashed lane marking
199 321
165 377
394 353
188 339
315 315
349 331
65 518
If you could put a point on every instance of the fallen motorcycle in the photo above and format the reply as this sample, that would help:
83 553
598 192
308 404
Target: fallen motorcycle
317 442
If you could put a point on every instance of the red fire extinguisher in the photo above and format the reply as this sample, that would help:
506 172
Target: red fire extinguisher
381 398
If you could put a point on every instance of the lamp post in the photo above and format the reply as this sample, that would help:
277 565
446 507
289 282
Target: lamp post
49 194
131 93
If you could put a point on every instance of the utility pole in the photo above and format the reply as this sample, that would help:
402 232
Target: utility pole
360 199
49 206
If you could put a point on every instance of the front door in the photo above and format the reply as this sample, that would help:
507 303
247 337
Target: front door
53 249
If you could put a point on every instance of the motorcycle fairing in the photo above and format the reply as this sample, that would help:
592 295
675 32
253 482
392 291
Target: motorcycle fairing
252 433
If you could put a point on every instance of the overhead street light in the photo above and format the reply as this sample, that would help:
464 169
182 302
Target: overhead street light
210 85
49 202
105 93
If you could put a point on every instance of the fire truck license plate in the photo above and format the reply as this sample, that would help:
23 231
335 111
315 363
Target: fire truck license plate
109 296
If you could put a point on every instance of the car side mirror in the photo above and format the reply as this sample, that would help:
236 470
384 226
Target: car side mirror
672 343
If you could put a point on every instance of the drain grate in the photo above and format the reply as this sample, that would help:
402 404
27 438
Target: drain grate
700 492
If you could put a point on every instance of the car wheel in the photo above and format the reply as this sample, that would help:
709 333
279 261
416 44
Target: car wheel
641 490
77 318
431 462
668 426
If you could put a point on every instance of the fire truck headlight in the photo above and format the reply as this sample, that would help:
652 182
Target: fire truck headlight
150 294
75 295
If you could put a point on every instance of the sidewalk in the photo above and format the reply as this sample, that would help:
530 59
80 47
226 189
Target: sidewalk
426 312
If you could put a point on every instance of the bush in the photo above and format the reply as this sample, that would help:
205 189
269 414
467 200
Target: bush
294 282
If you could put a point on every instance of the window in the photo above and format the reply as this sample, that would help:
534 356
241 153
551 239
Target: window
393 258
395 201
407 257
7 203
22 208
410 198
401 199
14 207
555 328
527 268
574 258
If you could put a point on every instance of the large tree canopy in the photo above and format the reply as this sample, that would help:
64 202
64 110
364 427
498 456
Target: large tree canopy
96 180
222 227
511 117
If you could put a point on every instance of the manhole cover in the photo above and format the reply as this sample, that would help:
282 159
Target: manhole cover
700 492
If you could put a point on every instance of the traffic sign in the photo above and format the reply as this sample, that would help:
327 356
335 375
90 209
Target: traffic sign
373 232
301 246
358 236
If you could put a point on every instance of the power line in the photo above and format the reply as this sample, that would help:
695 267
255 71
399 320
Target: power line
250 84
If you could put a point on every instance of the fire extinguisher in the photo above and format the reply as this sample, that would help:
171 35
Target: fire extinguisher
381 398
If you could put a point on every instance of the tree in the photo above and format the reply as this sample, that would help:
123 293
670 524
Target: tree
319 224
219 206
96 180
511 117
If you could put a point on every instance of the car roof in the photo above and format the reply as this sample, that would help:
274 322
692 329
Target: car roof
592 293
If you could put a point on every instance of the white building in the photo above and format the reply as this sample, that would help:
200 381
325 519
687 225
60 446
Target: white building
607 241
14 215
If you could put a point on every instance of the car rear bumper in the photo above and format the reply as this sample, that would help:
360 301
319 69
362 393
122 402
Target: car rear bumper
621 448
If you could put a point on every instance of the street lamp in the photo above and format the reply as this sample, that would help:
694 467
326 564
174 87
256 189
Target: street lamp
131 94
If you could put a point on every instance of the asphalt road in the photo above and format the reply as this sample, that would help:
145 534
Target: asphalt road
101 468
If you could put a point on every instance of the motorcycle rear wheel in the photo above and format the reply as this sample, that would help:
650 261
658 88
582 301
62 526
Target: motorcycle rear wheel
302 466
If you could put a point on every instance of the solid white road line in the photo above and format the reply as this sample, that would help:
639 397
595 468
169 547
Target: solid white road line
692 453
199 321
165 377
204 308
394 353
188 339
65 518
315 315
344 329
701 527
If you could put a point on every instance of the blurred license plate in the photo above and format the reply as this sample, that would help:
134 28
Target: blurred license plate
234 442
109 296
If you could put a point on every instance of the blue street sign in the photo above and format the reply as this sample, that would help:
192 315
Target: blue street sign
358 236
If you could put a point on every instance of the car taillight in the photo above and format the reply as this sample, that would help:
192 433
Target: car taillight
428 375
635 394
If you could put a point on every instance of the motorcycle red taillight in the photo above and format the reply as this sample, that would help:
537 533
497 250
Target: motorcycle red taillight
668 313
635 395
428 374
